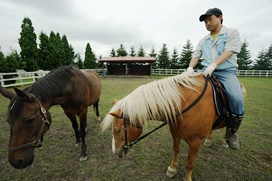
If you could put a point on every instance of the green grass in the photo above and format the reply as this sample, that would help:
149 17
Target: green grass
149 159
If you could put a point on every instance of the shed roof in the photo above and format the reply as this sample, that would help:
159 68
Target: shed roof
128 59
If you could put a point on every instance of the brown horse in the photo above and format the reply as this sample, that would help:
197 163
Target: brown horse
183 102
28 114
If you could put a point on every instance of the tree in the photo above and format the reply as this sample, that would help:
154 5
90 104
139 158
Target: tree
90 59
9 64
132 52
46 53
163 57
141 52
68 51
174 59
113 53
186 55
153 54
244 57
79 61
264 60
28 45
121 52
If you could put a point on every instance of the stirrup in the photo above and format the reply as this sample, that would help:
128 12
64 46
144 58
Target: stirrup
233 141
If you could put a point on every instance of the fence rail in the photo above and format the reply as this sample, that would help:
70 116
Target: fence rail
21 77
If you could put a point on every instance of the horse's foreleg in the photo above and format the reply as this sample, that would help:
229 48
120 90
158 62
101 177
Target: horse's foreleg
208 140
83 124
194 147
172 169
73 120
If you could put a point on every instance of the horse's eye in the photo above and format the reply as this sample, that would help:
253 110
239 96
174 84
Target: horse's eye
30 119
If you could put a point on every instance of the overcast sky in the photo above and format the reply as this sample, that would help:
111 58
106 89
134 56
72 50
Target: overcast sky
106 24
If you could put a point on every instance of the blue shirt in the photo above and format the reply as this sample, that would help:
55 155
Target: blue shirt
227 39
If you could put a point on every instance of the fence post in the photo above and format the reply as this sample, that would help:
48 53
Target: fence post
2 82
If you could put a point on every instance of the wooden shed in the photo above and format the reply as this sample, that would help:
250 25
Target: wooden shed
128 65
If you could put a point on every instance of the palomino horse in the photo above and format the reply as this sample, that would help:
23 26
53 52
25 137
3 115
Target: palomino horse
28 114
183 102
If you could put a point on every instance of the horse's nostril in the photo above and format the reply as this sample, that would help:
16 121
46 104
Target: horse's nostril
19 163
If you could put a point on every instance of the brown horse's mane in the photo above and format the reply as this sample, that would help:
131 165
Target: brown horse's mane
46 88
53 83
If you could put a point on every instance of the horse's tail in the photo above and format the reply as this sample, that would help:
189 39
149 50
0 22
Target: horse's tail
95 108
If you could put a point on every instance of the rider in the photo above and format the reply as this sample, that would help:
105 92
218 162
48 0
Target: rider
219 50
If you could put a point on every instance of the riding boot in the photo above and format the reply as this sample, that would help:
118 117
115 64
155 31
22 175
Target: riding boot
233 125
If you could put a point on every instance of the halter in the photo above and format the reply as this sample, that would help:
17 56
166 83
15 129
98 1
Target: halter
127 146
38 142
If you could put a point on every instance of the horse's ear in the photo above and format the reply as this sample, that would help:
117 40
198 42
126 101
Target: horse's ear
22 94
6 93
116 114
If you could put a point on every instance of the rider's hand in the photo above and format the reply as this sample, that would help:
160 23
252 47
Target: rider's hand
190 70
209 70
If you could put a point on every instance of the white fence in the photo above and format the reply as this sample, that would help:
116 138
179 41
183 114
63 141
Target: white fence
23 78
241 73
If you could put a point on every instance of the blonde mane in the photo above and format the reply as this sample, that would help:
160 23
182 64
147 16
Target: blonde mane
157 100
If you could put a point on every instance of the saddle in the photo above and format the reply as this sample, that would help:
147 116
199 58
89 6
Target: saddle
220 100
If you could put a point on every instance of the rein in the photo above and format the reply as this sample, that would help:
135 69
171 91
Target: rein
38 142
127 146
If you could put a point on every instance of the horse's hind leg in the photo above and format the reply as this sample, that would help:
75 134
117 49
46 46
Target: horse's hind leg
73 120
83 125
95 107
208 140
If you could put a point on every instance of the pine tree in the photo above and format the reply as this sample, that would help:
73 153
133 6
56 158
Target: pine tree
27 42
132 52
112 53
264 60
174 59
90 59
45 61
154 54
186 55
163 57
141 52
243 58
53 51
79 61
68 51
121 52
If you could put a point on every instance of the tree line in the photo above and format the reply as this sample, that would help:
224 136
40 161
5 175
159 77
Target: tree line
54 51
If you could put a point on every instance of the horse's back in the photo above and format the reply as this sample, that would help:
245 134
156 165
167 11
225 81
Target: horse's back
199 119
93 84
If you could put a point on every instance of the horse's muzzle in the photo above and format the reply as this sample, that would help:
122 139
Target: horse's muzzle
21 161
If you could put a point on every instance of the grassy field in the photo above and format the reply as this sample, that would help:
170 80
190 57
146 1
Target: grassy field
149 159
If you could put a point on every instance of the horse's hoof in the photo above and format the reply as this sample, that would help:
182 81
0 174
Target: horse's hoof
225 145
83 158
98 119
171 172
207 143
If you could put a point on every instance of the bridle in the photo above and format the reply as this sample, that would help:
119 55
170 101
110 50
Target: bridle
37 143
127 146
